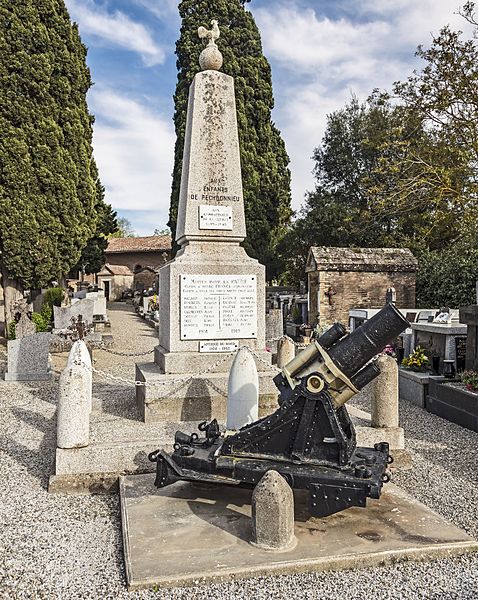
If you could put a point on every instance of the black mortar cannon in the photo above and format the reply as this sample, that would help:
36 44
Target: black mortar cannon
309 439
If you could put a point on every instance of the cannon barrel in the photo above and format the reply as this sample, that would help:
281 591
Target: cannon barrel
353 352
342 360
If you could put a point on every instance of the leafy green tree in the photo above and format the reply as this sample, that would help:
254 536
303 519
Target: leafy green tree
345 208
266 177
447 276
48 178
400 170
438 176
93 254
163 231
124 228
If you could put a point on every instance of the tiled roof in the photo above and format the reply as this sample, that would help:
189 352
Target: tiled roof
150 243
116 270
362 259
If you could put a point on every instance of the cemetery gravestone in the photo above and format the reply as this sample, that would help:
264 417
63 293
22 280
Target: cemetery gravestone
25 325
438 338
213 293
469 316
28 358
63 315
99 306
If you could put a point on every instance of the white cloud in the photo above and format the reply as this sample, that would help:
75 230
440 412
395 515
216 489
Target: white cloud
318 62
116 29
159 8
134 149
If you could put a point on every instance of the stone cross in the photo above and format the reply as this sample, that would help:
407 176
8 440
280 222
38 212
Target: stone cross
24 326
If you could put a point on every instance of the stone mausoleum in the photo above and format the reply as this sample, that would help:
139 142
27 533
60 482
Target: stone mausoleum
340 279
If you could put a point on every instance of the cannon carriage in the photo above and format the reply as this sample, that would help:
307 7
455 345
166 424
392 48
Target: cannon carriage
310 439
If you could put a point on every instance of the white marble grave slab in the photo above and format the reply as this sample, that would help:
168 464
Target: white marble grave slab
28 358
63 314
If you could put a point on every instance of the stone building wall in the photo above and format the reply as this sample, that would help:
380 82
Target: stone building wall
135 260
340 279
117 285
356 290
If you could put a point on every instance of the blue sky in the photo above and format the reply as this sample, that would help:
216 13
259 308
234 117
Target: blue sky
321 52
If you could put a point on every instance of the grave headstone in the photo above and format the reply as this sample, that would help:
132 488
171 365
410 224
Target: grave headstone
28 358
285 352
274 328
75 399
469 316
24 325
63 315
213 293
438 339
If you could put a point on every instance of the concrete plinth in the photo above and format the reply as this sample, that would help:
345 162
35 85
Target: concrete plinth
182 535
203 397
369 436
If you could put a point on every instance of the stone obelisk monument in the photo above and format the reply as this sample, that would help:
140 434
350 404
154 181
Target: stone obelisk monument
212 295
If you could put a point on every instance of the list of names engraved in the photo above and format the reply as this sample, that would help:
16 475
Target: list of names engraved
215 307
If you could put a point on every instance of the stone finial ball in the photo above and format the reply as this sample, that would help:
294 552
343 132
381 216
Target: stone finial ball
210 58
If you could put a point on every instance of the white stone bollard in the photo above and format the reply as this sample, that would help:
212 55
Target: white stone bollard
285 352
242 391
74 400
273 514
80 354
385 394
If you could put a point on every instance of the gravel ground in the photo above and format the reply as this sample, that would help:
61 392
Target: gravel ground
67 547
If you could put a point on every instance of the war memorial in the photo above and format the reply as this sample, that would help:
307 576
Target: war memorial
223 465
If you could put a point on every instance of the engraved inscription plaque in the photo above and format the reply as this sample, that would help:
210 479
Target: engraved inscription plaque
218 307
218 346
215 217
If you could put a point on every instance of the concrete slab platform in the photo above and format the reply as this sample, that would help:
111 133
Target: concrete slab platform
189 535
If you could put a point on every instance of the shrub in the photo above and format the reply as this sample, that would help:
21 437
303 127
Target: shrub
41 323
53 296
11 330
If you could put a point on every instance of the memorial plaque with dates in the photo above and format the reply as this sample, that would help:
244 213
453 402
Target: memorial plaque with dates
215 217
219 346
218 307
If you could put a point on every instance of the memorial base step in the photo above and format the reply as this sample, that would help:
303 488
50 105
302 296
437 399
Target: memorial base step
169 397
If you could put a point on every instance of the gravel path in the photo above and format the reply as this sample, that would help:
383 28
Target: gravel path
66 547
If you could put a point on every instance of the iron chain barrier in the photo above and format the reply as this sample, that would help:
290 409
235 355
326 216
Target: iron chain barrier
170 382
127 354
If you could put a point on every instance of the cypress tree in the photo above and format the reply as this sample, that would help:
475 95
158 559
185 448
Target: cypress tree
49 188
265 172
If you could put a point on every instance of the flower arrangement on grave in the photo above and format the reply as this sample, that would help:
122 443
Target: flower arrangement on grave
417 361
389 350
470 379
